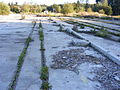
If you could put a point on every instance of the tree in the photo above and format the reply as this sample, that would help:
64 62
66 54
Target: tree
4 9
25 8
89 10
68 8
87 5
98 1
115 4
102 11
105 2
57 8
106 8
39 9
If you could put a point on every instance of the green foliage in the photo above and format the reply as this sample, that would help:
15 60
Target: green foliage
41 35
19 64
107 9
105 2
102 11
40 25
14 7
68 8
44 73
102 33
39 9
4 9
89 10
45 86
25 8
57 8
115 4
82 26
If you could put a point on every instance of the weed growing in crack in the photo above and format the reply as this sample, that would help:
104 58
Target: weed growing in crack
82 26
102 32
19 64
33 24
40 24
46 86
41 37
44 73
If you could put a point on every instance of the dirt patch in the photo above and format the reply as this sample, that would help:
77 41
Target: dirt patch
108 75
70 59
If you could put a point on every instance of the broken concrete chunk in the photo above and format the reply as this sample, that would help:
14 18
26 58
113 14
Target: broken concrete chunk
117 78
61 27
75 28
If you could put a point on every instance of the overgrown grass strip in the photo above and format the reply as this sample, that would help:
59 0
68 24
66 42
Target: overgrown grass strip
21 61
93 26
44 76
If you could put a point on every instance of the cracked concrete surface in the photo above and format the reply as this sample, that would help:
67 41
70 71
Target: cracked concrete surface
29 78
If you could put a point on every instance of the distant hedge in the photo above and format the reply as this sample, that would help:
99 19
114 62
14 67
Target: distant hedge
4 9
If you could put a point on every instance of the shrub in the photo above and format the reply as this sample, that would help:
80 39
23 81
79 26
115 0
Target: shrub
44 73
89 10
67 8
45 86
102 33
102 11
107 9
4 9
82 27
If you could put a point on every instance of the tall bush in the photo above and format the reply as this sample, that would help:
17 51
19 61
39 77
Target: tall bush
4 9
68 8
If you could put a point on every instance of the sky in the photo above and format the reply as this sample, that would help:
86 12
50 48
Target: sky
47 2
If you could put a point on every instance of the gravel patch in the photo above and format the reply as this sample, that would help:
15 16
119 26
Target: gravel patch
70 59
108 75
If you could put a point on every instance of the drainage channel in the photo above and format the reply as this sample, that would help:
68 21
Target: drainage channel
44 69
21 59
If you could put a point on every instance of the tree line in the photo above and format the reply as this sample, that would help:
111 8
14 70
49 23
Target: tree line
109 7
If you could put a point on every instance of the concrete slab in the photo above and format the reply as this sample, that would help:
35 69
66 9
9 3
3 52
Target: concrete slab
29 78
62 79
11 45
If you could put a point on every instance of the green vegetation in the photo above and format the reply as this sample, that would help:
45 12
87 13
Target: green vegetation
89 9
20 63
115 4
99 6
44 73
102 30
82 26
41 35
45 86
57 8
102 11
102 33
44 69
68 8
109 7
4 9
